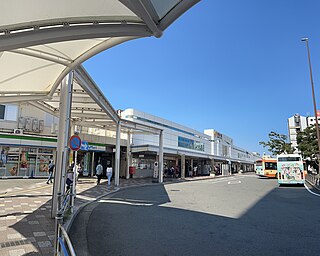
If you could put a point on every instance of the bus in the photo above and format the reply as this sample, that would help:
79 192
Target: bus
267 167
290 169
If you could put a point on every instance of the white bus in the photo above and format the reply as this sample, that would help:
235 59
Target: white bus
290 169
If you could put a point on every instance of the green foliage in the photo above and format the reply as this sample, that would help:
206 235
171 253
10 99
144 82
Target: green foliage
307 142
277 144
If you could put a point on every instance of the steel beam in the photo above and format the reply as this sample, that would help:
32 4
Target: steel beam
55 34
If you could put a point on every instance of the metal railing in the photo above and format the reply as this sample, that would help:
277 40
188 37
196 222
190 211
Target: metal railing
64 245
313 179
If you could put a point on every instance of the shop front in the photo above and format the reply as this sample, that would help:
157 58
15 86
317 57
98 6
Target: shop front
22 161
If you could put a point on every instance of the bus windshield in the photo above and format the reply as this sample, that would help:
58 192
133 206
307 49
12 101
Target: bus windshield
270 165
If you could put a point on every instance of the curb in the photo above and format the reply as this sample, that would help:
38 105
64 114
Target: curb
313 185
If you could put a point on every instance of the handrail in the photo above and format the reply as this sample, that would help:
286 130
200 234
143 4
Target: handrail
62 238
313 179
61 234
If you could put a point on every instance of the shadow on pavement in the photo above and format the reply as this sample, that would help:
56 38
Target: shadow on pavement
138 222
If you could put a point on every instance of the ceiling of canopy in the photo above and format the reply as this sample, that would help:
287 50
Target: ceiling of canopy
42 41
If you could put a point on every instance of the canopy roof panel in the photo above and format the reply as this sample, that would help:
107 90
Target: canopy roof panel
17 14
41 41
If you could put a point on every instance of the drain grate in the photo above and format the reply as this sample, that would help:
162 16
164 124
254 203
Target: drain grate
14 243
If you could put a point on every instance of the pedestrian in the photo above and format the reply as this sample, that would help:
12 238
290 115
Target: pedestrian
99 170
50 170
109 175
190 171
195 169
176 171
69 180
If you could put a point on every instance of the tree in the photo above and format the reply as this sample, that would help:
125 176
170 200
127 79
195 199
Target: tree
307 142
277 144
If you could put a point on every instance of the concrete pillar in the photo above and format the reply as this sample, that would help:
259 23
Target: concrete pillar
161 157
129 158
62 155
212 164
117 157
183 166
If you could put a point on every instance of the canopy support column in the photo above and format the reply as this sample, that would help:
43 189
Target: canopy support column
129 159
160 177
62 143
117 162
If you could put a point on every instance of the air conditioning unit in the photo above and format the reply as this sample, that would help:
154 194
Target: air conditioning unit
21 123
41 125
18 131
28 124
35 124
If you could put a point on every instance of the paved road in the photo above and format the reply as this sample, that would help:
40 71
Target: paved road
243 215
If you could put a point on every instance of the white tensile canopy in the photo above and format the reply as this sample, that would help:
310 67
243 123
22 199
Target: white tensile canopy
42 41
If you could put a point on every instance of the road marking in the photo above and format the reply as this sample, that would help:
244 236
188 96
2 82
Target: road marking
123 202
234 182
310 190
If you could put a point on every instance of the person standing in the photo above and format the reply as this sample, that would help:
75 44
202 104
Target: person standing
50 170
109 175
99 170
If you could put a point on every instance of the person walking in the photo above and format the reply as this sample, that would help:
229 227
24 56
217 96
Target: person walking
109 175
50 170
99 170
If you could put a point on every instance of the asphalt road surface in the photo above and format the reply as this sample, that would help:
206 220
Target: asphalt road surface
240 215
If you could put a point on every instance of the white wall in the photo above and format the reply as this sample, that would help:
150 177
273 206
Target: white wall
170 135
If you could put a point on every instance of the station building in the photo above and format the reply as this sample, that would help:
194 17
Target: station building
28 140
185 147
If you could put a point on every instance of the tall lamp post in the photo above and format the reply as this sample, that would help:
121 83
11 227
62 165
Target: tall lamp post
314 99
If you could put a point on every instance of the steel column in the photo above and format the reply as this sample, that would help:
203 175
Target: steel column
117 158
62 142
160 157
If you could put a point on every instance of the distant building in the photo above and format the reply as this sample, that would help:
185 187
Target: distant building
311 120
296 124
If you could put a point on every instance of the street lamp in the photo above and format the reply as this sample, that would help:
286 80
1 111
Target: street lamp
314 98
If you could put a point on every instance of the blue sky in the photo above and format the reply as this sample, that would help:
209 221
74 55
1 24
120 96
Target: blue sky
235 66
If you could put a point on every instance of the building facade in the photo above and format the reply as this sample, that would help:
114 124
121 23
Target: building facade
28 141
296 124
184 144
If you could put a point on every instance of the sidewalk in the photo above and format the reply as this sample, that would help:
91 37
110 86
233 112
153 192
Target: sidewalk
26 227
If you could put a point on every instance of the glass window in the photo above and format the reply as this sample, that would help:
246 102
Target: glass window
258 163
2 111
270 166
11 112
164 6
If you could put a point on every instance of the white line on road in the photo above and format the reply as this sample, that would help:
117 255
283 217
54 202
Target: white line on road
123 202
310 190
234 182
